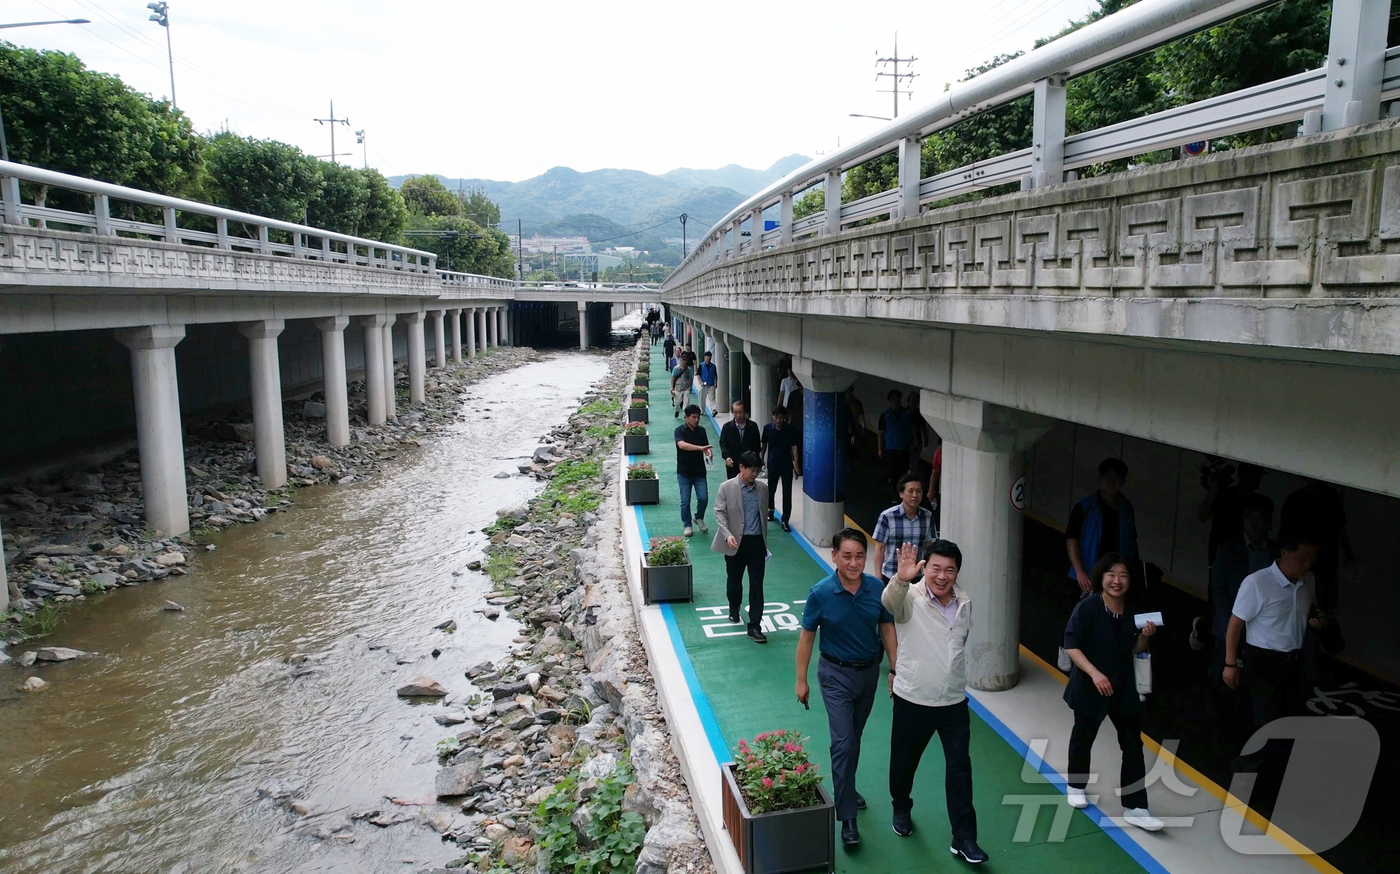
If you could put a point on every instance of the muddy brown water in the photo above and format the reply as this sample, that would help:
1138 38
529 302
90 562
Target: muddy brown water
148 757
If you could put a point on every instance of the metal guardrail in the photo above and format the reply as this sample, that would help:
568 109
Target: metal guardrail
330 246
1372 76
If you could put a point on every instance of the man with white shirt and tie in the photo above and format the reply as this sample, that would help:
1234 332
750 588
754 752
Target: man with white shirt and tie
1272 614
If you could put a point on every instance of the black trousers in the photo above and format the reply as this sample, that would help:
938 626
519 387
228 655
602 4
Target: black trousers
751 556
775 478
1277 684
896 465
912 729
1081 742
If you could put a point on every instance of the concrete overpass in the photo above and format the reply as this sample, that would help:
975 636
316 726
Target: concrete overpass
1241 304
172 265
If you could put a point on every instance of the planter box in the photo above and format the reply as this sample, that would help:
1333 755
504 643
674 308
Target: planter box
642 382
669 583
642 395
643 491
785 840
637 445
637 414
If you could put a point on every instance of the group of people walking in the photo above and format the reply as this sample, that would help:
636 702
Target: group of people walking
1261 616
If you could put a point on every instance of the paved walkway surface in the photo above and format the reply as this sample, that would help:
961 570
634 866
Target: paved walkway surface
742 688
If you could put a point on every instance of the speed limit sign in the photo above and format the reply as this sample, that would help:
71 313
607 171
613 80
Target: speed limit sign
1018 492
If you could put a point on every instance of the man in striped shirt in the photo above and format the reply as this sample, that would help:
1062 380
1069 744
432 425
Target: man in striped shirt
905 522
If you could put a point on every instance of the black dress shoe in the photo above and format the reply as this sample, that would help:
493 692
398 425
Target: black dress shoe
733 616
903 823
850 835
787 527
968 851
860 802
757 635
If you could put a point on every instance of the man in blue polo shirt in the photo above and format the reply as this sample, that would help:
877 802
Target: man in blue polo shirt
846 608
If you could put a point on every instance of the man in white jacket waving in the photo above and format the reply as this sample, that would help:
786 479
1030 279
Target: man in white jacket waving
932 618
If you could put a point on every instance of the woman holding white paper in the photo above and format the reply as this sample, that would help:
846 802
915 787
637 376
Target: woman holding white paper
1100 639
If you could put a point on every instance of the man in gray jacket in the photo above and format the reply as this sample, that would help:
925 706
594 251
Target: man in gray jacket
932 618
741 535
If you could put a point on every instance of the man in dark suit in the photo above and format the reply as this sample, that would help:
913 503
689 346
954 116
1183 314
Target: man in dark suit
741 535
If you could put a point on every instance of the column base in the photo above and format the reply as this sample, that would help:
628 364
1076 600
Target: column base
821 519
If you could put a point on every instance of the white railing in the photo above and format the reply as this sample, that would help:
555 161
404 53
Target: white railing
452 279
575 285
1347 92
328 246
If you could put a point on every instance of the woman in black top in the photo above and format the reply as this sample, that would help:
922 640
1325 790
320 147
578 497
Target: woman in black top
1101 639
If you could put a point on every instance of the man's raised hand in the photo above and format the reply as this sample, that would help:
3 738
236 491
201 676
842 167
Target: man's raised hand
910 568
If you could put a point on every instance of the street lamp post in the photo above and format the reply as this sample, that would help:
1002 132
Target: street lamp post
4 146
360 141
160 14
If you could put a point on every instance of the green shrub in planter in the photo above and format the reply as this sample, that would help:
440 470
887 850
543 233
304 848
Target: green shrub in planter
640 470
637 412
635 440
668 552
642 486
666 571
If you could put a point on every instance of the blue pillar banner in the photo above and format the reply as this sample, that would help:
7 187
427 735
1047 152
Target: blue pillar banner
824 445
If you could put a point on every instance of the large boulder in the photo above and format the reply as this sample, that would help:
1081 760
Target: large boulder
58 654
423 687
457 778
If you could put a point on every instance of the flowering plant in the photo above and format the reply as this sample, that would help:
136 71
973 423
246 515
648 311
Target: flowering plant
641 470
637 405
635 429
668 552
774 773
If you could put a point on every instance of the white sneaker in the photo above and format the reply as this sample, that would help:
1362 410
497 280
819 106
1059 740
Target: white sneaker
1077 799
1142 818
688 531
1062 660
704 529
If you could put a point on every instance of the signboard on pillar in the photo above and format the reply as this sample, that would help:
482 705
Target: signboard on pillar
1018 492
824 446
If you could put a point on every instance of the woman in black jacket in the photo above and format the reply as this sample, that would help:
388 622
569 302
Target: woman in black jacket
1100 640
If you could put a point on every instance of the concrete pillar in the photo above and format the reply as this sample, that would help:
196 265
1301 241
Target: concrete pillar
785 219
391 400
265 379
501 339
333 378
439 339
472 335
983 456
721 350
833 204
483 336
1048 132
489 315
156 388
376 406
763 382
823 448
4 579
910 162
417 360
1355 63
582 325
456 317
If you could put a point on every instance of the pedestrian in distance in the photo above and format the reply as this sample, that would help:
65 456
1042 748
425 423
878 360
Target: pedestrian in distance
894 435
682 376
1100 523
741 536
905 522
739 435
1101 639
708 380
932 619
844 619
783 451
669 345
693 455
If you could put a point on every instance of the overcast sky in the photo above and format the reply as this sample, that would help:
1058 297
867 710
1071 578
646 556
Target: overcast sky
507 90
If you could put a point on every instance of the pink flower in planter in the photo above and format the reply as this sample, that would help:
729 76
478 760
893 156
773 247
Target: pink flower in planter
800 769
743 745
767 782
791 748
763 736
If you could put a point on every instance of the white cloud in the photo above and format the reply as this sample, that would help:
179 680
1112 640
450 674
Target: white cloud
508 90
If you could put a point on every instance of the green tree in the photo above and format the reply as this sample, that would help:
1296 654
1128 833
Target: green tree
463 245
359 202
481 209
62 116
262 177
427 196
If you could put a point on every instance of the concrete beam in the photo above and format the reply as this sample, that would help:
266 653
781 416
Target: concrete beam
160 442
265 378
333 379
820 376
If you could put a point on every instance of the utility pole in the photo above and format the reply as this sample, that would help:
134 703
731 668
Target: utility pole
520 247
896 75
160 14
684 217
333 121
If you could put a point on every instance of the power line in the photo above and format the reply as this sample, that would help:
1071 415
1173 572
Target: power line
896 76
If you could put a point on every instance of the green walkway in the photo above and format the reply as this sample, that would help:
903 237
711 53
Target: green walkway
745 689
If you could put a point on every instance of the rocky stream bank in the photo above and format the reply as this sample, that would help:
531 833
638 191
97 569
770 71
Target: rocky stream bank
561 761
81 532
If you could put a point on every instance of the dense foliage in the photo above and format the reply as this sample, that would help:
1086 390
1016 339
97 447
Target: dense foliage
668 552
604 840
774 773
